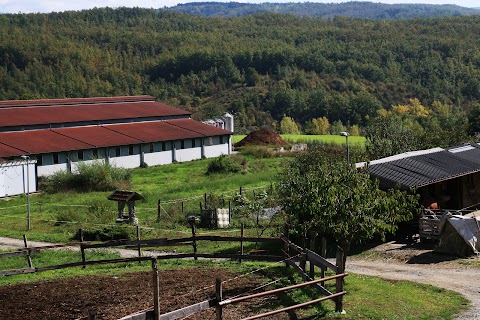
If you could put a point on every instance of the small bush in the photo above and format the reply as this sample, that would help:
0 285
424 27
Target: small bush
104 234
226 164
95 176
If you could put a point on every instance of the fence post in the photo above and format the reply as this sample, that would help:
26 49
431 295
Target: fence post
218 295
286 250
194 240
29 258
82 249
323 254
242 234
240 190
313 238
303 263
183 208
139 248
159 209
339 281
205 200
230 211
156 289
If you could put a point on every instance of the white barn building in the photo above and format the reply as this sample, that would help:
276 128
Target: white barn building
128 131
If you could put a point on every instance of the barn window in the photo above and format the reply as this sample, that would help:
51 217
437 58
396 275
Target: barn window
117 152
55 158
152 148
130 150
79 156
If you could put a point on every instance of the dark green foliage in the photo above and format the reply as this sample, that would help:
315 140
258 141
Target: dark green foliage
356 9
227 164
96 176
339 201
260 67
104 234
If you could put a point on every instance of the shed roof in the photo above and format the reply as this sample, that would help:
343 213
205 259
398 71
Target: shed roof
199 127
427 168
97 136
8 151
39 141
27 115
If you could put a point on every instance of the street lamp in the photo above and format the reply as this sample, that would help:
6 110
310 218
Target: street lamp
27 158
346 134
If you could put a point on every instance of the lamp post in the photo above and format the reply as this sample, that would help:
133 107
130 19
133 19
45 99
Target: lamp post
346 134
27 158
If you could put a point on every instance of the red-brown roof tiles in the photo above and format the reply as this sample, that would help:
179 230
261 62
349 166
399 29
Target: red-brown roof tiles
153 131
97 136
25 116
69 101
40 141
7 151
199 127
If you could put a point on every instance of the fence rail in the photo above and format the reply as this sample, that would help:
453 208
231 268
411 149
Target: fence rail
298 260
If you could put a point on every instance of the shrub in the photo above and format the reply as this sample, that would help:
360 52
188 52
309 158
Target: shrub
104 234
95 176
226 164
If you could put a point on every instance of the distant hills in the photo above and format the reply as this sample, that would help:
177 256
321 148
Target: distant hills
355 9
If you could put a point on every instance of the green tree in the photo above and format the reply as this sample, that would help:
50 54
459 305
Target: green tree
318 126
288 126
339 201
337 127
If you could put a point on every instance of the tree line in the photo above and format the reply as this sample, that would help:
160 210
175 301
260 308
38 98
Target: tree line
261 67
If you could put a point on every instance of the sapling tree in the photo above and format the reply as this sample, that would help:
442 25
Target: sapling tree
337 200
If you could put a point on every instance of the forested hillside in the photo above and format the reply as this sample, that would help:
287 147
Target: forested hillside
354 9
261 67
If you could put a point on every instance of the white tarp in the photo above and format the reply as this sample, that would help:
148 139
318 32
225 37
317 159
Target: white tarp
468 227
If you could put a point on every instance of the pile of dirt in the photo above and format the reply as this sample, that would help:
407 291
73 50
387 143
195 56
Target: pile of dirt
262 137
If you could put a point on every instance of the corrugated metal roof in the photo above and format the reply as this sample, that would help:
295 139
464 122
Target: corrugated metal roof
199 127
97 136
40 141
428 168
44 115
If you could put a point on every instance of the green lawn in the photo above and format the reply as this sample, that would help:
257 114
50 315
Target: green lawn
57 217
303 138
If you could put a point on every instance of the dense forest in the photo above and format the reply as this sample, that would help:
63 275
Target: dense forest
263 67
354 9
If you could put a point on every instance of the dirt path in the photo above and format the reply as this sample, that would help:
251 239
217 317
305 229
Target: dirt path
401 262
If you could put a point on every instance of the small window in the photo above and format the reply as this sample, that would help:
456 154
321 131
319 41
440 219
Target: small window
39 160
130 150
210 141
164 146
117 152
152 148
193 143
182 144
95 154
79 156
55 158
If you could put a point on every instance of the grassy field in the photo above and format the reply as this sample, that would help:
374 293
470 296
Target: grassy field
57 217
303 138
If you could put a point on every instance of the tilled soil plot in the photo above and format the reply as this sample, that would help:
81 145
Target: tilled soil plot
116 296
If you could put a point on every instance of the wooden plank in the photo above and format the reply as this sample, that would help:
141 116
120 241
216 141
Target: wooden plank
317 286
319 261
138 316
182 313
19 253
253 257
16 271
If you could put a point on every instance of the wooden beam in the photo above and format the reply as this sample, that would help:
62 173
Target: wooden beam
184 312
317 260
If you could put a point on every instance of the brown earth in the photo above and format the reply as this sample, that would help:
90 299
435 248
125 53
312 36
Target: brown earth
114 297
262 137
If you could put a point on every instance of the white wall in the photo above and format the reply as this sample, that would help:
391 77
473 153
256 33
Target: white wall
158 158
216 150
184 155
128 162
44 171
13 178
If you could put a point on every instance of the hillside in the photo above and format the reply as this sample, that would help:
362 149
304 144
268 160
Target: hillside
260 67
354 9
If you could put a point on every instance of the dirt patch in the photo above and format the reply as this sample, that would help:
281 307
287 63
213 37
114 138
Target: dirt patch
116 296
262 137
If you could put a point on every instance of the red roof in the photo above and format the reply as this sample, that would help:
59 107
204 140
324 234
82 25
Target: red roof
199 127
63 113
153 131
40 141
7 151
97 136
69 101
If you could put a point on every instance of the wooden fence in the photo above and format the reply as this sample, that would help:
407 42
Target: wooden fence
294 256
